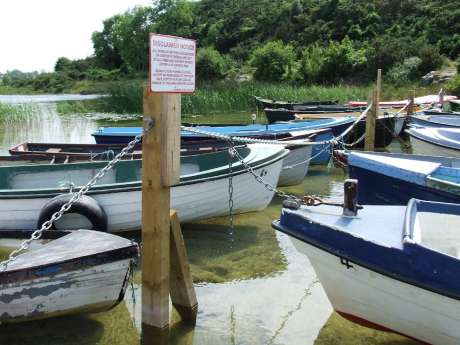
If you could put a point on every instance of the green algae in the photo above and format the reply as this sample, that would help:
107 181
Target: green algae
4 253
339 331
107 328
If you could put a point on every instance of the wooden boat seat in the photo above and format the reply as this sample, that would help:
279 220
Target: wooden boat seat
54 150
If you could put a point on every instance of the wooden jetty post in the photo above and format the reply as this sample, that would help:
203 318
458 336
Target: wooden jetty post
369 141
373 114
411 105
379 90
165 269
441 98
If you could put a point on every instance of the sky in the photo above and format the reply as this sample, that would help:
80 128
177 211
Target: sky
35 33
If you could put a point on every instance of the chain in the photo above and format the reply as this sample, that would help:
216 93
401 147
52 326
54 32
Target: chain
230 187
248 140
75 197
326 147
258 178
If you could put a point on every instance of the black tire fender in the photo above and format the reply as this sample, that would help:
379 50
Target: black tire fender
85 206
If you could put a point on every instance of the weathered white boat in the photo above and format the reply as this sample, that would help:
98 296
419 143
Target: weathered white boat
392 268
81 272
295 165
202 192
435 141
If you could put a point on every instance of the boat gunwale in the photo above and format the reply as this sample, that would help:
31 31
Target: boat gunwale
352 258
411 134
134 185
18 275
324 124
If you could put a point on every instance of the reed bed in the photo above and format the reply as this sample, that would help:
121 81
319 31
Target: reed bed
14 113
227 96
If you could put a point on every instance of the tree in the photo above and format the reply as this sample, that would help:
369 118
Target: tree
210 64
273 61
105 50
62 64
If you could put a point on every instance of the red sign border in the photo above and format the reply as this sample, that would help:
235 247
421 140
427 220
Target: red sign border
150 64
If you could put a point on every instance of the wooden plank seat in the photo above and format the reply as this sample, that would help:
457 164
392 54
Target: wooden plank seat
54 150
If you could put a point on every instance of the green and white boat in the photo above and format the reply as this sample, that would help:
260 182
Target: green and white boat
203 191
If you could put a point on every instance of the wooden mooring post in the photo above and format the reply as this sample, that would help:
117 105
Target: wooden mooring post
369 141
372 115
165 269
411 105
441 98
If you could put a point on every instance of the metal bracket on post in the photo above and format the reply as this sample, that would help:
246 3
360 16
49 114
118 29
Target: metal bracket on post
350 198
149 122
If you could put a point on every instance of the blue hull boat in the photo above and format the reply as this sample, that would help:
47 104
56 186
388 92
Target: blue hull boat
112 135
320 153
393 179
392 268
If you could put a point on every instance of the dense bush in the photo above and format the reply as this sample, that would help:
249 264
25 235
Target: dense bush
454 86
273 61
404 72
51 82
211 65
430 58
333 62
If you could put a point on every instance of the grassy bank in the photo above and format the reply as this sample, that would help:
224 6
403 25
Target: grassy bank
8 90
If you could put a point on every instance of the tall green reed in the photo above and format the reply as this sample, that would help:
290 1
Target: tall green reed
10 113
227 96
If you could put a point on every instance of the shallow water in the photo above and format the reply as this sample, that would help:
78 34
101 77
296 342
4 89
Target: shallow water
22 99
252 286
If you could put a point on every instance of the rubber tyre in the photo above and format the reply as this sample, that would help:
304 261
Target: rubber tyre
85 206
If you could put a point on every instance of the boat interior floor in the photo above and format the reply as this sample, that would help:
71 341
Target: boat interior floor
439 231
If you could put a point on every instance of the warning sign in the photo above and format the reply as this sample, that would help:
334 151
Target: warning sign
172 64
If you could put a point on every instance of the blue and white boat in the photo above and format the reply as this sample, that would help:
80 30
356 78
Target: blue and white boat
394 178
392 268
320 153
435 141
112 135
448 121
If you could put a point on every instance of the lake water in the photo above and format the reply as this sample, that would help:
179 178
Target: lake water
252 286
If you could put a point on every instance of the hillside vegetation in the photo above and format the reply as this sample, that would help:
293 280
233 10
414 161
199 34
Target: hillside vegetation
295 41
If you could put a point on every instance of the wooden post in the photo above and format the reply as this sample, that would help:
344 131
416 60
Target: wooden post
369 142
350 195
411 105
441 98
165 269
159 170
379 89
183 295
